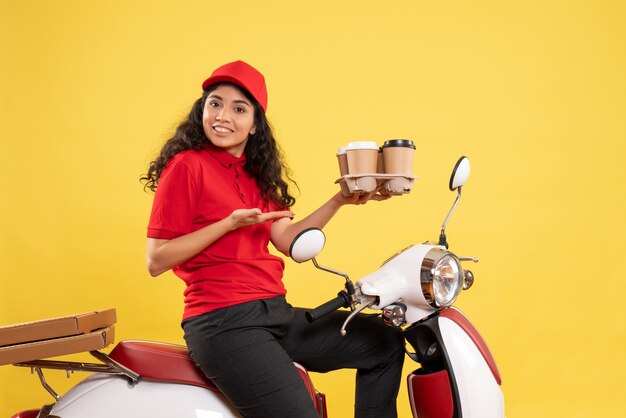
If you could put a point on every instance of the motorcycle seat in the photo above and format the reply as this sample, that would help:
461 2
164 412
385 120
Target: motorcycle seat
161 362
172 363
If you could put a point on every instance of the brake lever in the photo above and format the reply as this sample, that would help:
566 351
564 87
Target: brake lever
367 302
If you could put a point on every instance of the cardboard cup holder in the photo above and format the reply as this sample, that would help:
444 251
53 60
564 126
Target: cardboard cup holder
387 184
365 167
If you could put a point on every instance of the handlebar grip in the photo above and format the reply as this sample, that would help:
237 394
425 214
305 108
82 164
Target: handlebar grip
341 301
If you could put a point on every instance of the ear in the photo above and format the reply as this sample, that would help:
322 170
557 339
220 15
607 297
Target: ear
253 130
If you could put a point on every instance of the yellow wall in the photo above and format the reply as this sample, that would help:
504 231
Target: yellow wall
533 91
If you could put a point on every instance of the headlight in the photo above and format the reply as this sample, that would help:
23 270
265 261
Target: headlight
441 277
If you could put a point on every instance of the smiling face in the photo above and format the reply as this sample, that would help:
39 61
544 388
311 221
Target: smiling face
228 119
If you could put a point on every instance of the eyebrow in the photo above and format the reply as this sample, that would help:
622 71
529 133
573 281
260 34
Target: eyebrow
234 101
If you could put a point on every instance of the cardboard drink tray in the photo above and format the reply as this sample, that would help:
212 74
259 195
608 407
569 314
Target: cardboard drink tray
57 336
368 182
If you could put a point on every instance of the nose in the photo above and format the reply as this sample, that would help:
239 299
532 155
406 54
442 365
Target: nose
222 114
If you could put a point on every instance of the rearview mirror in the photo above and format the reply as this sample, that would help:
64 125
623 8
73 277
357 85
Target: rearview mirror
307 244
459 177
460 173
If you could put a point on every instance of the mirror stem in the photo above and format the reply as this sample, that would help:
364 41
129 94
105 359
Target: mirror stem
442 240
349 285
442 235
329 270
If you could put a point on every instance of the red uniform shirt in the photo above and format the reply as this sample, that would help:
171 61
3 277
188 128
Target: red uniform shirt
198 188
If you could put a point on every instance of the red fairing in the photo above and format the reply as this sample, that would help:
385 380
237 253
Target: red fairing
430 395
308 383
320 405
460 319
172 363
31 413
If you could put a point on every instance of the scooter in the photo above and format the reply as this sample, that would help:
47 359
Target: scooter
414 290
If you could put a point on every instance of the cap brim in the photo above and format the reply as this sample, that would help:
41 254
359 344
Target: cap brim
221 79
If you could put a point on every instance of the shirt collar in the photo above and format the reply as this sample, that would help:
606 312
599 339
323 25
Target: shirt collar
224 157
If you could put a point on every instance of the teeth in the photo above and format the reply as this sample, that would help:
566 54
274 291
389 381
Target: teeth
220 129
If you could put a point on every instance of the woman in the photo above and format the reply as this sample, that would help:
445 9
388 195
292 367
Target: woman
221 198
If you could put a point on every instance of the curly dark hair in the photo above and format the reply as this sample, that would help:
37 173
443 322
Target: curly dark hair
264 160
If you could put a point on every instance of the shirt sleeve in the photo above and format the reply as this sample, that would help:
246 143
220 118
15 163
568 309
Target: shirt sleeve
174 202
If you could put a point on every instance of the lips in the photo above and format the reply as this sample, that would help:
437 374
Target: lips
221 129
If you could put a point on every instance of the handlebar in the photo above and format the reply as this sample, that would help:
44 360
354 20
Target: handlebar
341 301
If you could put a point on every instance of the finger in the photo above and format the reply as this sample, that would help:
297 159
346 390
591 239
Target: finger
365 197
353 199
380 197
246 216
247 213
271 216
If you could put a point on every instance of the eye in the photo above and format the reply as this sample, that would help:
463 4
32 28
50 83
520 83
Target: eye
214 103
240 109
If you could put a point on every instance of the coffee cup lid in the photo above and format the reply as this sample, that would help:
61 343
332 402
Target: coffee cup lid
362 145
407 143
342 150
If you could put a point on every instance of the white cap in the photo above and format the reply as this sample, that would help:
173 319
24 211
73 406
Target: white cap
362 145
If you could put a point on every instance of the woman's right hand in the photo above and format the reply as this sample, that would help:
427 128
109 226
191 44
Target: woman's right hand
163 254
247 217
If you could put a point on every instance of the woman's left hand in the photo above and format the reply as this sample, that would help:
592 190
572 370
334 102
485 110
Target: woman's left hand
361 199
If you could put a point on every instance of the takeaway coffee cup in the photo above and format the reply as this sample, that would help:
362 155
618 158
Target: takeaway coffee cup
342 158
380 168
380 163
398 160
362 158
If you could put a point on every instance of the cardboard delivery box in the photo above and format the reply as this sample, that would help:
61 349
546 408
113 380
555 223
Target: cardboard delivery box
37 350
57 336
56 327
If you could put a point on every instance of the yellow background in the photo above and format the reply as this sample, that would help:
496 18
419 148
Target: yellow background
533 91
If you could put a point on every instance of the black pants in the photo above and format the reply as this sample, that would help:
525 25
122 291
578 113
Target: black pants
248 350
